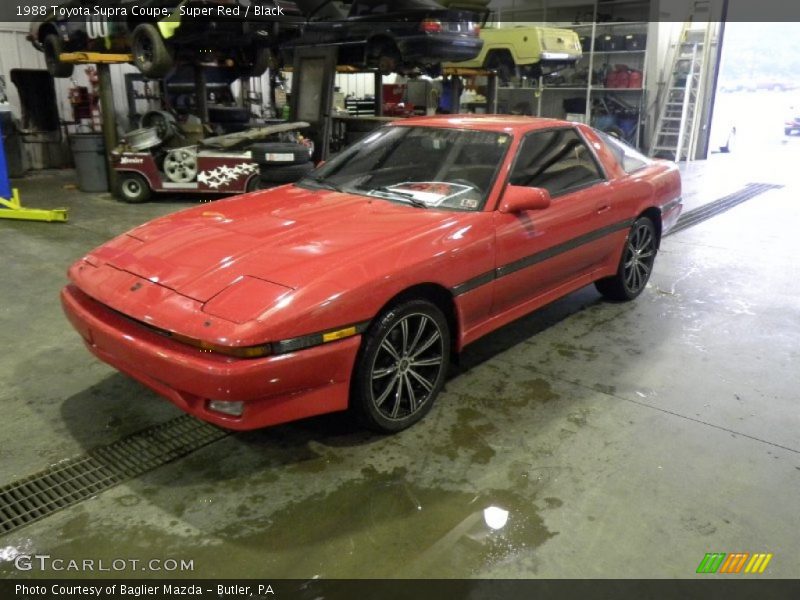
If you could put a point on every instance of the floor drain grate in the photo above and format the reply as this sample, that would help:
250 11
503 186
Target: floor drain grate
712 209
77 479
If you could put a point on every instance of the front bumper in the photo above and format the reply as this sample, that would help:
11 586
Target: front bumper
274 390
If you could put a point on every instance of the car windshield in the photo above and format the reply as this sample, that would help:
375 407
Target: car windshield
425 167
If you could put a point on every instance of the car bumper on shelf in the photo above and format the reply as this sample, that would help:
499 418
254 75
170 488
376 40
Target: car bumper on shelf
275 389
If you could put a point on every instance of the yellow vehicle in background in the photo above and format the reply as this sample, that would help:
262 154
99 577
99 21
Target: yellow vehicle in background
524 50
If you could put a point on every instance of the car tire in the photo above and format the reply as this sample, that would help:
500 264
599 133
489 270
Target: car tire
150 54
262 59
502 63
281 175
298 152
432 71
385 56
132 188
635 265
253 184
401 367
229 114
53 48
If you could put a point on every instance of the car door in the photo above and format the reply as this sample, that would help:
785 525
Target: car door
543 250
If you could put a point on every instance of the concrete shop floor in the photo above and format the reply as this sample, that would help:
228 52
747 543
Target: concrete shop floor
623 440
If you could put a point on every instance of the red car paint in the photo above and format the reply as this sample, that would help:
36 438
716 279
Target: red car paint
283 264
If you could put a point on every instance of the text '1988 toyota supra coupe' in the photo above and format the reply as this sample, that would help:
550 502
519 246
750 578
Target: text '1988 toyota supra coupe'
352 288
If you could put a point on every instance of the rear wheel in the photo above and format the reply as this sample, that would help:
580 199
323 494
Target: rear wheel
262 59
503 64
150 54
432 71
635 265
53 48
385 56
401 367
253 184
132 188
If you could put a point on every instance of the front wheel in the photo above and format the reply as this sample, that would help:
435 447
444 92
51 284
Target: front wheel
401 367
635 265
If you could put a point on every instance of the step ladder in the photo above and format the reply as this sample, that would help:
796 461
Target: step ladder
676 132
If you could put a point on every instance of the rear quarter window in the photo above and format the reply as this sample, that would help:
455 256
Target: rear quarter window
629 159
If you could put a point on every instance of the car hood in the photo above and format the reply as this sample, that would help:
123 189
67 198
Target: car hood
288 236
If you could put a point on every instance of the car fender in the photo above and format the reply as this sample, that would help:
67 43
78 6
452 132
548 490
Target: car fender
355 293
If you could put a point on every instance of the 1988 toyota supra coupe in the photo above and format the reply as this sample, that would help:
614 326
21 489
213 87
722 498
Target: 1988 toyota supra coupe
354 287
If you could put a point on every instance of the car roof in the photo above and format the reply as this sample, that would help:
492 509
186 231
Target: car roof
499 123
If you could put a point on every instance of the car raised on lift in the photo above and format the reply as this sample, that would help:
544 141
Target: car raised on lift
406 36
520 50
160 33
353 288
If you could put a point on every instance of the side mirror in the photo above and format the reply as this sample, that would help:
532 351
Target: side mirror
519 198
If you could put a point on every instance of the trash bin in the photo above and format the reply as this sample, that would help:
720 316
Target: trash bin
89 154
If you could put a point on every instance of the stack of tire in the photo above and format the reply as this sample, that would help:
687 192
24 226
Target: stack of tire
280 163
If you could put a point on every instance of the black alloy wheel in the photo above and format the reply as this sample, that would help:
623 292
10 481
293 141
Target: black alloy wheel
636 265
402 366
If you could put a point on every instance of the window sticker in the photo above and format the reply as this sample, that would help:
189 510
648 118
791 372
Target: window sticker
432 193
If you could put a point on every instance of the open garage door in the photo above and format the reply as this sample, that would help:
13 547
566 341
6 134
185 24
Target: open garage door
757 103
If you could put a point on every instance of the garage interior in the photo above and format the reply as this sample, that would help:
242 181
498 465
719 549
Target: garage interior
589 439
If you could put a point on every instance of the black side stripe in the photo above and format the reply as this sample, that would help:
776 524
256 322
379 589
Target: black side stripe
534 259
475 282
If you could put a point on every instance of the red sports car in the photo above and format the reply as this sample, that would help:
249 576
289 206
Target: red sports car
354 287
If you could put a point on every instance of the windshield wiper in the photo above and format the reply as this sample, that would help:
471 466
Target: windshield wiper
323 183
405 195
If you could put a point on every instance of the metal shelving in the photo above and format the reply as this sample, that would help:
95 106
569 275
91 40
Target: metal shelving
594 58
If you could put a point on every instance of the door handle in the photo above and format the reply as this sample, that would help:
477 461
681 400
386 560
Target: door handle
603 209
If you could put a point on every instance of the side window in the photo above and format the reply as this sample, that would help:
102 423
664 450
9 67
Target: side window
557 160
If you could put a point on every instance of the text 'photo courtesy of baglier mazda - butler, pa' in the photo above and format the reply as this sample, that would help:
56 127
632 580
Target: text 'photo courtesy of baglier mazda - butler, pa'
321 299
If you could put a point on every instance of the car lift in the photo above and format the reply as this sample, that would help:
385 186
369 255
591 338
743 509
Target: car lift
491 96
106 97
97 58
10 206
